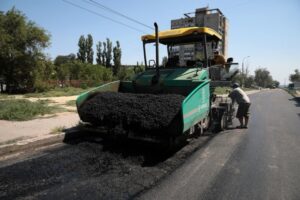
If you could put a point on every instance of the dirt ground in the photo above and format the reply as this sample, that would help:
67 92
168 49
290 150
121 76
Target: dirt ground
13 131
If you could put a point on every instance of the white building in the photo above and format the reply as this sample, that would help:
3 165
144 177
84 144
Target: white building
212 18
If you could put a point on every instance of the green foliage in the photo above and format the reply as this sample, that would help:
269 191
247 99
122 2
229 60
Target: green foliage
99 54
138 68
22 109
62 72
66 67
104 54
44 71
108 55
295 77
126 73
249 82
81 55
41 86
22 42
89 49
238 79
74 70
61 59
95 73
58 92
263 77
276 83
117 53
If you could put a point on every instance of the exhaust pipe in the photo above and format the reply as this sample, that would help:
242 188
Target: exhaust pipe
156 77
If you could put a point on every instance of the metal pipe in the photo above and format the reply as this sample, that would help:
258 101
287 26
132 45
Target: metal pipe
156 49
145 56
205 50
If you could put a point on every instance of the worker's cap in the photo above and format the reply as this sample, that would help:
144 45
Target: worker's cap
235 85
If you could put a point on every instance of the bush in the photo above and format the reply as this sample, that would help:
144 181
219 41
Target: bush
41 86
83 85
126 73
22 109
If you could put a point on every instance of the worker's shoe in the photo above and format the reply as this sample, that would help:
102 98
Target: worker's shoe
239 127
245 127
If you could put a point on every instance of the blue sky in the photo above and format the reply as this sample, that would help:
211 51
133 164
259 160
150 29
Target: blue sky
268 31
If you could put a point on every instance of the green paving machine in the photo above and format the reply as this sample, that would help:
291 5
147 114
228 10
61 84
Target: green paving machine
200 109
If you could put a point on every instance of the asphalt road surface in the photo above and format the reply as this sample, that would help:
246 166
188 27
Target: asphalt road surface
261 162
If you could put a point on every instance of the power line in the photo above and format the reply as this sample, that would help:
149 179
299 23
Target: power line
117 13
100 15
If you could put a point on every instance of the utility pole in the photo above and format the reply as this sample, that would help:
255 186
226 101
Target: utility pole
243 73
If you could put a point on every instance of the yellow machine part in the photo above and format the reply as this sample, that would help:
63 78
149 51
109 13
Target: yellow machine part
181 32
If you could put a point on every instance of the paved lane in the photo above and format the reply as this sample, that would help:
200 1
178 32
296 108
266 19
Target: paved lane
259 163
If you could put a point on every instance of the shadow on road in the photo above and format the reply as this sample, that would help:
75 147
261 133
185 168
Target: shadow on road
150 153
296 101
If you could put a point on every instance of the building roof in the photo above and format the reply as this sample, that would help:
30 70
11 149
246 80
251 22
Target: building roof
183 35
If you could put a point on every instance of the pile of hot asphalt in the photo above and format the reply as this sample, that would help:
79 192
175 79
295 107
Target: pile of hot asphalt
128 111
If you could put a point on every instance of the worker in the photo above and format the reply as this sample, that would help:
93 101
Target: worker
219 59
239 96
217 70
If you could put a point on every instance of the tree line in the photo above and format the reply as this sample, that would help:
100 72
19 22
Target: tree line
261 78
106 53
25 67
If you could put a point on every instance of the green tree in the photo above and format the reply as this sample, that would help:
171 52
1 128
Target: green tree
62 73
117 53
138 68
295 77
104 54
75 70
249 81
81 55
99 53
63 67
89 49
276 83
44 71
263 77
108 53
62 59
21 46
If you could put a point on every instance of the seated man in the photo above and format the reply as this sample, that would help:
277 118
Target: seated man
219 59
